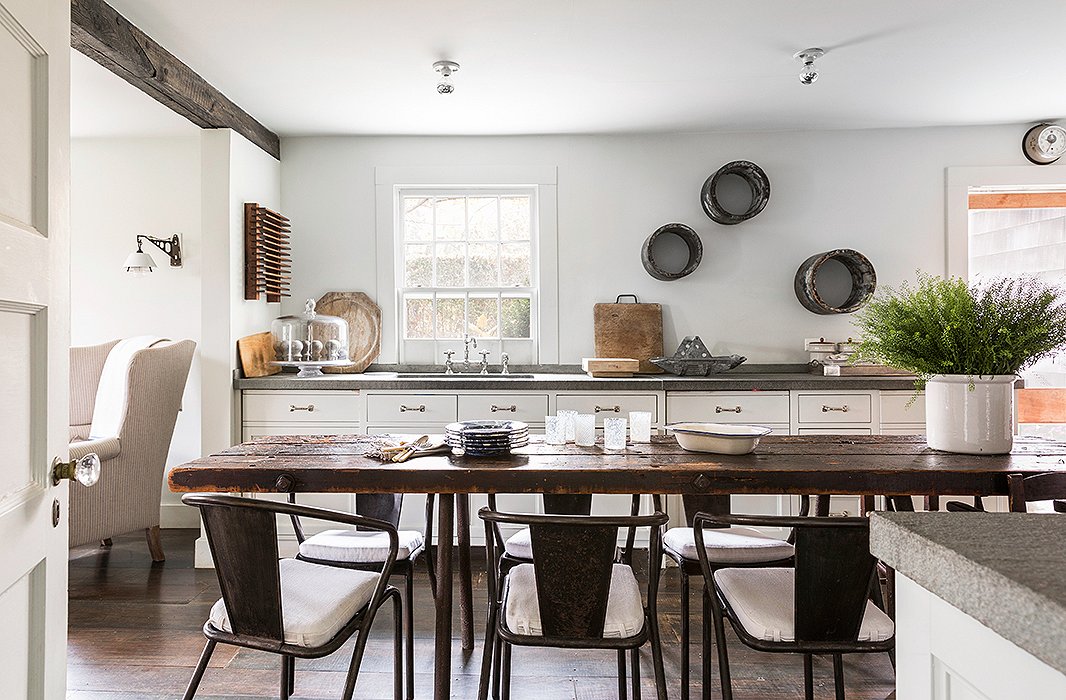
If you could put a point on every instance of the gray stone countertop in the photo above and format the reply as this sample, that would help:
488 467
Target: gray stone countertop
1003 569
733 381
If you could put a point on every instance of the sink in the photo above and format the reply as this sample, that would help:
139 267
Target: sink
459 375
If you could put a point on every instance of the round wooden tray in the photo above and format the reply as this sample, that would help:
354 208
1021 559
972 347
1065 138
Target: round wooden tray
364 327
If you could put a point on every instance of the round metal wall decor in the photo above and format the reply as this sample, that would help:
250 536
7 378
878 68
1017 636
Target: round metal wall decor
863 281
756 179
686 234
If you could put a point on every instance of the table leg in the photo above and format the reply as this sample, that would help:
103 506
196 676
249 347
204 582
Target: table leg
466 595
442 642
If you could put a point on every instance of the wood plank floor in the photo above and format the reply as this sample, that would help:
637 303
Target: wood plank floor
135 634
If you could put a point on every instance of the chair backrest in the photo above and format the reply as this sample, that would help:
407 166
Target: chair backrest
1036 487
834 570
86 365
242 535
573 561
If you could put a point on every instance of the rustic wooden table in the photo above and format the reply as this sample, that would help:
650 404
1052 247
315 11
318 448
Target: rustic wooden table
822 464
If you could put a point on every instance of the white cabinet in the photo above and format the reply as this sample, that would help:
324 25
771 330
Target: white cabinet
944 654
609 405
267 413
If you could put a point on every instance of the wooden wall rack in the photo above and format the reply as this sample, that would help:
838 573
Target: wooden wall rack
267 253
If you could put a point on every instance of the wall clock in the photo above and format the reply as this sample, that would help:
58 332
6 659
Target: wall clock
1044 143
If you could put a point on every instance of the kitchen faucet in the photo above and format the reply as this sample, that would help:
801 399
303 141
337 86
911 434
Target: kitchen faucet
467 342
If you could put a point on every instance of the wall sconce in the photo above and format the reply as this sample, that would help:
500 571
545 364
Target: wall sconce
140 263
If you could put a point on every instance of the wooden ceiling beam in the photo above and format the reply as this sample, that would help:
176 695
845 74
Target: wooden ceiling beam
104 35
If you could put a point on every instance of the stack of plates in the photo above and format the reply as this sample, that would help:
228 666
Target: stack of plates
487 437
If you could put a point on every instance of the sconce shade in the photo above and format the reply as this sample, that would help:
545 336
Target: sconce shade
139 263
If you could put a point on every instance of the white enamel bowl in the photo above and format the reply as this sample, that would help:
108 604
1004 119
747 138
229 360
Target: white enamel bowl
719 438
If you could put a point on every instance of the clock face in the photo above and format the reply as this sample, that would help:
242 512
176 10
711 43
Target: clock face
1044 143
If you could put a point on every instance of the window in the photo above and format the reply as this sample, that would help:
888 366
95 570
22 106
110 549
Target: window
466 265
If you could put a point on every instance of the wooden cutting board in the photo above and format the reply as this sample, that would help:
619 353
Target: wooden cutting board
609 366
630 330
256 353
364 327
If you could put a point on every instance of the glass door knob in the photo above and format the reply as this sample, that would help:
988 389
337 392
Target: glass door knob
86 471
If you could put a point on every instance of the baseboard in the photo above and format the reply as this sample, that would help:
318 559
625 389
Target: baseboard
178 515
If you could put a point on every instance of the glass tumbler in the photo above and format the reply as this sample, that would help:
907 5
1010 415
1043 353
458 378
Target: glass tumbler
614 433
554 431
640 426
585 429
569 418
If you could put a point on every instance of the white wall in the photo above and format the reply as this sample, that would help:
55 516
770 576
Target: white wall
878 191
234 172
121 187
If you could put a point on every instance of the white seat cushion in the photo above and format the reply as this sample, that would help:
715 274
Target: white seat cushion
359 546
520 544
764 601
733 545
625 609
316 601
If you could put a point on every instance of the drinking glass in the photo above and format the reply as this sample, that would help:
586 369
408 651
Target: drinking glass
585 430
640 426
614 433
568 418
554 431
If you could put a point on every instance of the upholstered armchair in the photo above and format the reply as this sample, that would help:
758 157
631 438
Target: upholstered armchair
127 496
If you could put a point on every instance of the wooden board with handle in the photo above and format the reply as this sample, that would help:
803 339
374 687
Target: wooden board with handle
630 330
364 327
256 353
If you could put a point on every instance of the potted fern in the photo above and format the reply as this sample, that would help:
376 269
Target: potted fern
966 342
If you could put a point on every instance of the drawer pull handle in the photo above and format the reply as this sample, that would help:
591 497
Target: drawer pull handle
421 408
512 408
609 409
725 409
310 408
842 409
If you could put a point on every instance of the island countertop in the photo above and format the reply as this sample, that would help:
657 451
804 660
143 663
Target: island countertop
1003 569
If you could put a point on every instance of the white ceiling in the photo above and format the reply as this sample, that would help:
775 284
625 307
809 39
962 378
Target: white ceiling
604 66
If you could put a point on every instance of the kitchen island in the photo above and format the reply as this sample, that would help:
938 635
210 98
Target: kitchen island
980 603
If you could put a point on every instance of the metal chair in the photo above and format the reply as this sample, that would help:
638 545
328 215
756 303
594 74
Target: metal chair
732 547
362 551
821 606
574 594
289 607
1023 490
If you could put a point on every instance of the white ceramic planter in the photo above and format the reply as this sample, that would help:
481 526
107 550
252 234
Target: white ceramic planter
971 415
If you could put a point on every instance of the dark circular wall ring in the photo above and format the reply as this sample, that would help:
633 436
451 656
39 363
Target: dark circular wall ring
863 281
685 233
751 174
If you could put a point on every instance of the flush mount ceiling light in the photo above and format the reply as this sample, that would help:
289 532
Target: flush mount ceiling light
139 263
809 73
445 69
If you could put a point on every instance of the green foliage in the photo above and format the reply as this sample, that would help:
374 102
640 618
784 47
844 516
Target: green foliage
946 326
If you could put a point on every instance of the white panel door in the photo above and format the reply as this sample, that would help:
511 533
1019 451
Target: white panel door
34 326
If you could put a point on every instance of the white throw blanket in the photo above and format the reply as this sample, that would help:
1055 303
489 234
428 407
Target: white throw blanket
110 406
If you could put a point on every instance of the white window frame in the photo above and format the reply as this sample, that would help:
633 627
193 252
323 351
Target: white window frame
524 348
957 202
390 182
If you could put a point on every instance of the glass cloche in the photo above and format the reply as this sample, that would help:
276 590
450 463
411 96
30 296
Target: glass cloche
310 341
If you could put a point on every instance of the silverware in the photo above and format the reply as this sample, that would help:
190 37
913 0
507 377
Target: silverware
410 449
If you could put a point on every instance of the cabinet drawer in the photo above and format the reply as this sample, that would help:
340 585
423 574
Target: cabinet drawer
745 407
301 407
835 408
835 431
254 431
530 408
609 405
894 408
411 408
